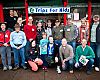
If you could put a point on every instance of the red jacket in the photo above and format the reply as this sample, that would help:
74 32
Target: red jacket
30 31
4 37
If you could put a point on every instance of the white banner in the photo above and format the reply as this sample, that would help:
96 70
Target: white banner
44 10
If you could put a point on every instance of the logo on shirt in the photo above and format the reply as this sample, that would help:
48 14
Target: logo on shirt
68 30
32 29
14 18
6 35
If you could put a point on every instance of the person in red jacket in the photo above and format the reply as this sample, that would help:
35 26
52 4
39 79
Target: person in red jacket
5 46
31 33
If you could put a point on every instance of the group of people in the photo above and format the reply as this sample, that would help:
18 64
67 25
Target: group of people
43 46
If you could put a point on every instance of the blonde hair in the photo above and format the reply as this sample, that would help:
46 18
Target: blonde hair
84 40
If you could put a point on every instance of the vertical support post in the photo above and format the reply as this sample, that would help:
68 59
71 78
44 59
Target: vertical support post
89 16
65 15
26 10
1 13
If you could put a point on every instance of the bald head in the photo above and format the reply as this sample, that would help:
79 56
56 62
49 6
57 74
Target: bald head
64 42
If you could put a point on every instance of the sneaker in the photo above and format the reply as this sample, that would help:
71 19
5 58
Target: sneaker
92 65
45 68
24 67
58 70
4 68
88 72
16 67
25 62
97 69
71 71
10 67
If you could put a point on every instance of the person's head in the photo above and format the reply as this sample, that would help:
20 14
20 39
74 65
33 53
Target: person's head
19 20
15 13
84 42
64 42
30 19
17 27
11 12
57 23
3 26
33 43
49 23
44 24
83 22
39 24
69 21
96 18
50 39
44 35
62 23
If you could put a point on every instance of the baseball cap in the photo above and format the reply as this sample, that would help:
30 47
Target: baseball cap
96 16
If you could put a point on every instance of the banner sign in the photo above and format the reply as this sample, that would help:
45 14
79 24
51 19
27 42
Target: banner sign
47 10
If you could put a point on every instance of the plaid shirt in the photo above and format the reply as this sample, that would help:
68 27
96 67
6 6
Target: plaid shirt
71 32
57 33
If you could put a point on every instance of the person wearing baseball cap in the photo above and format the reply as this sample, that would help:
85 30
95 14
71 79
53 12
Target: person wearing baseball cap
95 40
96 16
57 32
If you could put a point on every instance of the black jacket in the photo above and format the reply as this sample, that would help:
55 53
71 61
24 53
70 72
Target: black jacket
98 34
55 52
33 53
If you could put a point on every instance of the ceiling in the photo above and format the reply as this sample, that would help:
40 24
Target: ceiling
6 3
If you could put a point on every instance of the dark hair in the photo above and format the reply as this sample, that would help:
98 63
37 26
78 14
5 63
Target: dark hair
5 23
17 25
50 36
32 41
44 33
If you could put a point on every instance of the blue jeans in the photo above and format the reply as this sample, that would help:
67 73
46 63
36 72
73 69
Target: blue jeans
98 55
89 64
73 44
43 57
69 64
94 47
58 42
18 52
4 51
27 48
